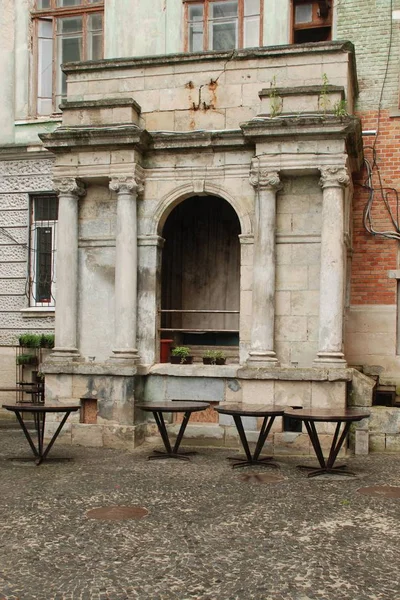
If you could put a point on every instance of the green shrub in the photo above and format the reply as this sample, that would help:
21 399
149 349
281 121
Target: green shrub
30 340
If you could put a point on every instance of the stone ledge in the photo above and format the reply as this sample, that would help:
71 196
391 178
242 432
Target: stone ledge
190 57
237 371
103 103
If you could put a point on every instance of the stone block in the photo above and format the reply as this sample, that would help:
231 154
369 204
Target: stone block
58 387
90 436
283 254
361 446
291 443
306 254
246 302
393 443
328 394
233 390
289 277
282 303
377 442
362 388
258 392
194 388
384 419
65 435
246 278
326 442
154 388
313 277
307 223
160 121
119 437
293 393
312 329
302 354
203 434
305 303
291 329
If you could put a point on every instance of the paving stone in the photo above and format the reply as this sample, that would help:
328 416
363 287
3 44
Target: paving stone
212 533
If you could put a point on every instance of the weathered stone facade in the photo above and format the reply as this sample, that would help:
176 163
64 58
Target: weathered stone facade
260 129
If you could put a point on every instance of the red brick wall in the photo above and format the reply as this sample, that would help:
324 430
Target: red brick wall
374 256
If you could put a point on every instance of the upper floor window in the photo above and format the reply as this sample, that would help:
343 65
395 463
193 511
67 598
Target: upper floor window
222 24
312 21
64 31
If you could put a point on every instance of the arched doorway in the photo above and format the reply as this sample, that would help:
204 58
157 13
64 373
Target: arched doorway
200 273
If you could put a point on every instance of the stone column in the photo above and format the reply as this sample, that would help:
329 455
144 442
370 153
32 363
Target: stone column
267 184
331 304
69 190
126 268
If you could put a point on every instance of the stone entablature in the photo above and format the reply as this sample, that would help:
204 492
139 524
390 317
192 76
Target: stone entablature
212 90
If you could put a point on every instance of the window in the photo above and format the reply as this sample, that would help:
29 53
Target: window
222 24
312 21
65 31
43 243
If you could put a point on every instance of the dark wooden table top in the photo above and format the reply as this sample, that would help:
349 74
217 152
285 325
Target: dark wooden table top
174 406
25 407
328 415
250 410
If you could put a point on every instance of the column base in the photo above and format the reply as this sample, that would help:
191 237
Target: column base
332 360
260 358
61 354
125 355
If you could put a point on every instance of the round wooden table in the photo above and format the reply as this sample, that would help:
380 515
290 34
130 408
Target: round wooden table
315 415
237 411
172 406
39 412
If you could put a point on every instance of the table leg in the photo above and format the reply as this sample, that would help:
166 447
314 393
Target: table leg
26 433
327 466
170 452
53 439
250 460
40 422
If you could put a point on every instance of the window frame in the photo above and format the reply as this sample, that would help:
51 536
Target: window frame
34 225
54 12
206 22
316 23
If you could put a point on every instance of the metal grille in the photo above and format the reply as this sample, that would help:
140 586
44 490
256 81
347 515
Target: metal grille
42 250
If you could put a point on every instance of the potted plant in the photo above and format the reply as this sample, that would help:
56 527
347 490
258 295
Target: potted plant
30 340
214 357
27 359
220 357
180 355
209 357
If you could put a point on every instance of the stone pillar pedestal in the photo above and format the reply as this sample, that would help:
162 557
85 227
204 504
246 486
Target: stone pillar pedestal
331 305
125 269
69 190
262 352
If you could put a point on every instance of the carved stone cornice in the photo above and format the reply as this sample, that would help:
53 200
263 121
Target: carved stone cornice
265 179
126 184
69 185
334 177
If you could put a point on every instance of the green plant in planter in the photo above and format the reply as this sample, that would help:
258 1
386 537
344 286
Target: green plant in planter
182 353
30 340
27 359
214 357
47 340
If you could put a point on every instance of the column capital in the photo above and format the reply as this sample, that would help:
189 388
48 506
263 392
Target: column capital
69 185
126 184
263 178
334 177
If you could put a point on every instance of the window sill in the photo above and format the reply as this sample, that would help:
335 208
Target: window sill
37 120
394 113
37 311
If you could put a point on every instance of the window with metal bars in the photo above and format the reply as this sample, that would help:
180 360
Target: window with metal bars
64 31
42 249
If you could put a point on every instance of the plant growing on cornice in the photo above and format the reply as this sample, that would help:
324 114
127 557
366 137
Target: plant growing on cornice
324 100
340 109
275 101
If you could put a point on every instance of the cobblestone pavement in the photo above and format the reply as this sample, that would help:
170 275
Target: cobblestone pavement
210 533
